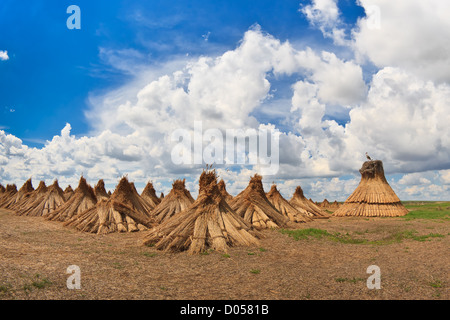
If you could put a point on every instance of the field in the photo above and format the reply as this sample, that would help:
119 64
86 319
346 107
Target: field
324 259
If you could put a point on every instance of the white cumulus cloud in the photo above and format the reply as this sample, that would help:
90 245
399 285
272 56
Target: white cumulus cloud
325 15
4 55
412 34
398 116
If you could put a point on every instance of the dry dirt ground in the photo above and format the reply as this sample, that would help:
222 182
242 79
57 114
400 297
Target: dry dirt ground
35 254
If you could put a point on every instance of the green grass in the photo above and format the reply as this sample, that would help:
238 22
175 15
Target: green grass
41 284
37 282
150 254
303 234
353 280
427 210
404 235
27 287
436 284
426 236
4 288
397 237
437 294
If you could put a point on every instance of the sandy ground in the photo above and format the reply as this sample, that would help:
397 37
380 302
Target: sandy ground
35 253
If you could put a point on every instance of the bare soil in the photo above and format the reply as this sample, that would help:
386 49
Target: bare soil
35 254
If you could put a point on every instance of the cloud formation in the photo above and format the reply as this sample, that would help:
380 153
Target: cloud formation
4 55
413 35
399 114
325 15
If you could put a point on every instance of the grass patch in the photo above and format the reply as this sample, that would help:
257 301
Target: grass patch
41 284
405 235
437 294
27 287
427 210
150 254
353 280
426 236
436 284
303 234
4 288
37 282
397 237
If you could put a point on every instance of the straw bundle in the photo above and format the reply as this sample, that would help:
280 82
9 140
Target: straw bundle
373 197
328 206
149 195
10 191
27 202
254 207
44 203
285 208
2 191
124 211
209 222
325 203
68 193
100 191
223 190
23 193
178 199
299 201
335 205
83 199
148 207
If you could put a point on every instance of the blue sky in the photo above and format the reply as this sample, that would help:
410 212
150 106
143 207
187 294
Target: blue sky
58 68
54 76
